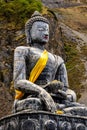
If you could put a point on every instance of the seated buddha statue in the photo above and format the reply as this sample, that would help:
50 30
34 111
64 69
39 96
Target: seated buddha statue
40 77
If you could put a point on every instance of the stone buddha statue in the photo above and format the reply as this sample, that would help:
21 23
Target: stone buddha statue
39 76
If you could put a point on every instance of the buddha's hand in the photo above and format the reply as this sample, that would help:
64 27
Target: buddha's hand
61 94
48 101
54 86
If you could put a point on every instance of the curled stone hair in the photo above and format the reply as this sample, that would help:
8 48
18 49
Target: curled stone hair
36 16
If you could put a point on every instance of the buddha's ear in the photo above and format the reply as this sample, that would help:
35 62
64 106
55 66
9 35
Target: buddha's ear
28 36
29 39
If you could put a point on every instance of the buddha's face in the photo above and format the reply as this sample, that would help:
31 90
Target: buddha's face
40 32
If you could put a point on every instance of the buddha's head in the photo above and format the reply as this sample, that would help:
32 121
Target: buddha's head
37 29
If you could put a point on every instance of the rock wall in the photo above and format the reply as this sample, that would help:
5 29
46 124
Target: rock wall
60 3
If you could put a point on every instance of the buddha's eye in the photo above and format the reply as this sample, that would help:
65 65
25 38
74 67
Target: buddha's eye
47 29
41 29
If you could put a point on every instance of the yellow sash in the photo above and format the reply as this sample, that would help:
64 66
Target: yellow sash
36 71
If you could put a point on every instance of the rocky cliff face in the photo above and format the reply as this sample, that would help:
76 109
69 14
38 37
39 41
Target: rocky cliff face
8 42
62 3
67 39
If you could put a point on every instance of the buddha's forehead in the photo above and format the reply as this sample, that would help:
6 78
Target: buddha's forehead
39 24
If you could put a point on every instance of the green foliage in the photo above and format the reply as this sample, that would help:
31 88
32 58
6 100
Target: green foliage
74 66
19 10
70 51
84 50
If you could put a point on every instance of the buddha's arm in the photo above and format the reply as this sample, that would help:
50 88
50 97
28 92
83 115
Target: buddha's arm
19 64
27 86
61 75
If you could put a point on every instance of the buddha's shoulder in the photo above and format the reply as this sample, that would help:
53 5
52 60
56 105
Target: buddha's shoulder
22 48
56 57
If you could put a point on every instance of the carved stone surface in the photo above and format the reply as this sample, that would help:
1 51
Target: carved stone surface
42 121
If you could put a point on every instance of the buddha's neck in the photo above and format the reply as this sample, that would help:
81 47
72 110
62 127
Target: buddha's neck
39 45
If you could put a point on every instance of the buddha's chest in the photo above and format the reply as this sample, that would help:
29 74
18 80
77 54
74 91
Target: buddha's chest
50 68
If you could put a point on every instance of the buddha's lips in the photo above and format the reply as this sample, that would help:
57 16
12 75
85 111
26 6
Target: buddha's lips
46 37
